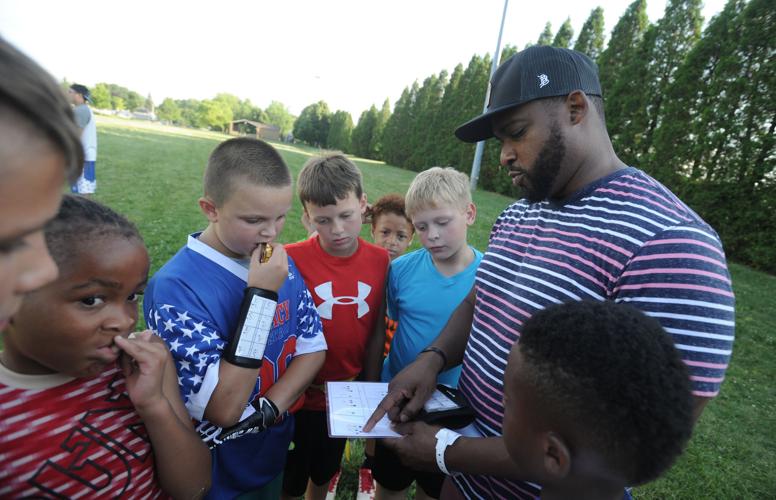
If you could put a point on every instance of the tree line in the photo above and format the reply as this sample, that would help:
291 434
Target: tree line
696 110
213 114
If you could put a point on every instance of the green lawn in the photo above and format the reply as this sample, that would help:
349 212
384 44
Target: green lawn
153 175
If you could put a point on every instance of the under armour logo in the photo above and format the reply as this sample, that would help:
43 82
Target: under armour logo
325 308
543 80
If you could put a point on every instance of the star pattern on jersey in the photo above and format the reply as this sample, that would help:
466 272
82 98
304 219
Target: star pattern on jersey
194 343
309 322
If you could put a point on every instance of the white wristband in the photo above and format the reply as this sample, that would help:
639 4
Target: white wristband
444 438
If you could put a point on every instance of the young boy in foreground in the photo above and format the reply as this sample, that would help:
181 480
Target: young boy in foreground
346 276
424 287
596 398
89 409
198 302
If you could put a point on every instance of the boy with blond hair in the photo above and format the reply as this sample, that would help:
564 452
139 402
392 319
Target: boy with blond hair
424 287
346 277
244 333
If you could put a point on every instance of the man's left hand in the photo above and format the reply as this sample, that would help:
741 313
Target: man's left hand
417 446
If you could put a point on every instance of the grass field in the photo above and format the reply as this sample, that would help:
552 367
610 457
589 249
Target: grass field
153 175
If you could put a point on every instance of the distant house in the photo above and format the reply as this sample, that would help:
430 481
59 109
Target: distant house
256 129
144 114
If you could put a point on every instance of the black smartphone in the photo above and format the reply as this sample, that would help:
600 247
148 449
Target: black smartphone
447 407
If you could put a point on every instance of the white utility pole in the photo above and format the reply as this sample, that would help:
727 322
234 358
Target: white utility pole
481 145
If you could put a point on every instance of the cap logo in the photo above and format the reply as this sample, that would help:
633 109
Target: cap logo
543 80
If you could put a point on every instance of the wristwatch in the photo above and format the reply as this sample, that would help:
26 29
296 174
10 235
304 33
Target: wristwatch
444 438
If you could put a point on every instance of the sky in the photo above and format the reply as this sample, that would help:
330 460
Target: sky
350 53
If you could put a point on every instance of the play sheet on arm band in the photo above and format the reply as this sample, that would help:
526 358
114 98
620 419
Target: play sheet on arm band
255 330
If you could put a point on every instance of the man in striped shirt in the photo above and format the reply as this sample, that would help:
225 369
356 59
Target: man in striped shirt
588 227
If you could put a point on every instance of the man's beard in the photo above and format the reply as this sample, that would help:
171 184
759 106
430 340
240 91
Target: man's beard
546 167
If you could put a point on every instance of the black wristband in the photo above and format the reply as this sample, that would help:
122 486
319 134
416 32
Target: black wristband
439 351
246 347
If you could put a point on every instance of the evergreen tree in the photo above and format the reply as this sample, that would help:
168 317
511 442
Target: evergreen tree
376 145
340 131
424 109
664 49
394 135
626 38
447 119
564 35
469 99
363 132
546 37
716 140
313 123
591 37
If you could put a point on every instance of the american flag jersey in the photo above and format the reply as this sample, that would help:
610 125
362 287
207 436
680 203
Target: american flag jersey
624 238
193 303
72 438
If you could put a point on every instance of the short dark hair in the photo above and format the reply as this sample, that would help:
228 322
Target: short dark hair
243 158
30 98
614 374
389 204
326 179
80 221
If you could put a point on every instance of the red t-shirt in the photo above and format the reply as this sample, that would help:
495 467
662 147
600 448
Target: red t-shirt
71 438
348 293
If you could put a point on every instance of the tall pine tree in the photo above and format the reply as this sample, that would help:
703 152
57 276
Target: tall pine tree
664 49
564 35
716 140
626 38
545 38
591 36
395 134
340 130
376 144
424 111
363 132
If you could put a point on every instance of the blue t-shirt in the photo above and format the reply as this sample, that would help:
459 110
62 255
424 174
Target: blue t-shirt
193 303
421 299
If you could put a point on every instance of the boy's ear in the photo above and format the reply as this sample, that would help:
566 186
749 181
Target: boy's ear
471 214
208 208
362 203
557 457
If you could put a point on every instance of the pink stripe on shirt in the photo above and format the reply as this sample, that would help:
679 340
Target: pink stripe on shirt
674 256
570 234
705 364
556 263
669 270
678 286
685 241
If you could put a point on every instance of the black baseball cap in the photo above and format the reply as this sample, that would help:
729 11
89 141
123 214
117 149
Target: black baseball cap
81 89
534 73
